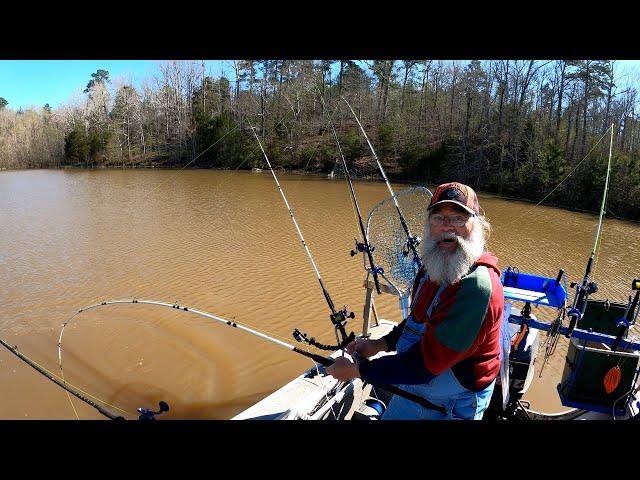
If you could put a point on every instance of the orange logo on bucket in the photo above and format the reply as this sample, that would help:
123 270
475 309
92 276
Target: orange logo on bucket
612 379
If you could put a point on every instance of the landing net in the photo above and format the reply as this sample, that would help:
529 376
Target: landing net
386 234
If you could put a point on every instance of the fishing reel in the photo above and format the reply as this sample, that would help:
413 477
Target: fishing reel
339 320
301 337
361 248
340 317
592 287
146 414
635 284
412 242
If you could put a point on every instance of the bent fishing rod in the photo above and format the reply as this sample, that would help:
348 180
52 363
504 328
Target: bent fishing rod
145 414
338 317
412 241
587 287
324 361
364 246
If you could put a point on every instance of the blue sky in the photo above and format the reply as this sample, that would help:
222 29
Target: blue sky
33 83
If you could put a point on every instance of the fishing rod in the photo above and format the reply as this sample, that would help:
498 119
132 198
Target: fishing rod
588 287
324 361
412 241
364 246
338 317
145 414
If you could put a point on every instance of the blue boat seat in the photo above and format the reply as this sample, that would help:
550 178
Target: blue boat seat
526 287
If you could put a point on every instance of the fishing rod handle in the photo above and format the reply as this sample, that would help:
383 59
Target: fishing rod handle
315 357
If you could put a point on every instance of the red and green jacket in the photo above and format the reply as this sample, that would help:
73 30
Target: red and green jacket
462 333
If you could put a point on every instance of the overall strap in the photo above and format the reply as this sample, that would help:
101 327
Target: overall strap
436 297
416 290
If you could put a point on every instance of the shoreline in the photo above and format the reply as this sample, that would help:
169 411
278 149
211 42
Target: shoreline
321 175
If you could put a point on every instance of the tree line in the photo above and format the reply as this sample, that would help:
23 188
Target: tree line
513 127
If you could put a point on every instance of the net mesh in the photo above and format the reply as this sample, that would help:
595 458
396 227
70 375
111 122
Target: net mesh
386 234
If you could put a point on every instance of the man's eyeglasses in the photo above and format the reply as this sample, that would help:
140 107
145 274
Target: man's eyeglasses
456 220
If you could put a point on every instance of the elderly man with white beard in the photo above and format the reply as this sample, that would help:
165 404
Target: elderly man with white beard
448 348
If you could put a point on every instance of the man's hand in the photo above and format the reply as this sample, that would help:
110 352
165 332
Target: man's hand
366 347
343 369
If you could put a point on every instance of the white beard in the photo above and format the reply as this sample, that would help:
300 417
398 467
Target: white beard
446 267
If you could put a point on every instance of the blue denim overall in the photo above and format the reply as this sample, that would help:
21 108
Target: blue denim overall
443 390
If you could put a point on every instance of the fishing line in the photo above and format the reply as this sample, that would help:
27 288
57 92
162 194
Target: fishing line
316 358
553 335
600 237
325 390
588 286
613 407
130 301
604 201
526 212
375 395
79 393
72 406
193 160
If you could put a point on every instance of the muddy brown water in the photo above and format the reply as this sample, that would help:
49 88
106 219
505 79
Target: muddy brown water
222 242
